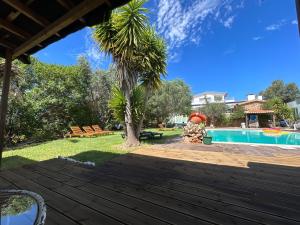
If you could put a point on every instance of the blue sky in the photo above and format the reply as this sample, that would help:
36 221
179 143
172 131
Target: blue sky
236 46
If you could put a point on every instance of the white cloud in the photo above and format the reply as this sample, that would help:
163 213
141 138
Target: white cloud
276 26
295 22
228 22
91 50
257 38
183 22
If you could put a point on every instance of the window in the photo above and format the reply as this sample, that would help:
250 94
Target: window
218 98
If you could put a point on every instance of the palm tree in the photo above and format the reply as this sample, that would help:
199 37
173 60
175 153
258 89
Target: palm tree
153 65
121 37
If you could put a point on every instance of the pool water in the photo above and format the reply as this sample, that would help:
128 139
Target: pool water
254 136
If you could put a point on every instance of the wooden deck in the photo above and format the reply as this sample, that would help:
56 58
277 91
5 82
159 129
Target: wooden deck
137 189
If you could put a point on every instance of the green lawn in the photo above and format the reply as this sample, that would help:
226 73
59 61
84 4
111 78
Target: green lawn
97 149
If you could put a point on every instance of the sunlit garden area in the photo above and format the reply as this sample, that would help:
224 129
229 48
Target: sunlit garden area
93 149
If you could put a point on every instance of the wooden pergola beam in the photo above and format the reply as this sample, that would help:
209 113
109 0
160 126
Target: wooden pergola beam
14 29
4 99
67 4
70 17
24 9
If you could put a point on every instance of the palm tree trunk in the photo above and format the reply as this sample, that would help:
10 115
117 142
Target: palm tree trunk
146 97
131 138
127 87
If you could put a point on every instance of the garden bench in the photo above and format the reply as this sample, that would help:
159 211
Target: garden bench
147 135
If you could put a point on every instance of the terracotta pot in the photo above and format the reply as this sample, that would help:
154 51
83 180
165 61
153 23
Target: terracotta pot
197 118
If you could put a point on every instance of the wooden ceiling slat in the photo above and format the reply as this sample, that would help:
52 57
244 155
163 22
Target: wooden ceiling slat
24 9
6 43
67 19
67 4
13 15
14 29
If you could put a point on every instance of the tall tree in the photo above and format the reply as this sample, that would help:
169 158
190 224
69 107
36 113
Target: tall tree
278 89
214 111
121 37
282 111
172 98
102 85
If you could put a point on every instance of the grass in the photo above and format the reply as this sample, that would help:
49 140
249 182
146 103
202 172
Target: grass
97 149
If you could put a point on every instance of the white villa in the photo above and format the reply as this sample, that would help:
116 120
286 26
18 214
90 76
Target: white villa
200 100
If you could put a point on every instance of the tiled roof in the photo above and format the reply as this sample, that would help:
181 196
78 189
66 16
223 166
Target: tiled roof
252 101
259 111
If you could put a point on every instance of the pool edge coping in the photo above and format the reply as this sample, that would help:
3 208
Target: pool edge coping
258 144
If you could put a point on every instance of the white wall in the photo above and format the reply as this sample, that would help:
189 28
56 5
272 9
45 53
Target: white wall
210 98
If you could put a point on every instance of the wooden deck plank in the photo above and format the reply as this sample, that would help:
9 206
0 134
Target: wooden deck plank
233 209
255 168
209 182
53 217
250 191
187 169
236 183
145 207
169 215
261 203
101 205
138 189
66 206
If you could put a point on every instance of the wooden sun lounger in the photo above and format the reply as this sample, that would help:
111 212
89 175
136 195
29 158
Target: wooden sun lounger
88 130
98 129
162 128
76 132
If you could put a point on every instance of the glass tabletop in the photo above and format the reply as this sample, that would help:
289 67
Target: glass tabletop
21 207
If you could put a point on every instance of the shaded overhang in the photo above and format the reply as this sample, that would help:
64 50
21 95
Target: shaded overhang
27 26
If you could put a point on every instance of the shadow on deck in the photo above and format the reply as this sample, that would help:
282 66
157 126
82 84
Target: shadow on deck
138 189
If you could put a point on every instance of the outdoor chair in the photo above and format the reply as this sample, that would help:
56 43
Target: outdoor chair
77 132
88 130
98 129
253 124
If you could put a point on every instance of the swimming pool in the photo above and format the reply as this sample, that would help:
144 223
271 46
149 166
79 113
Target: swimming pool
254 136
